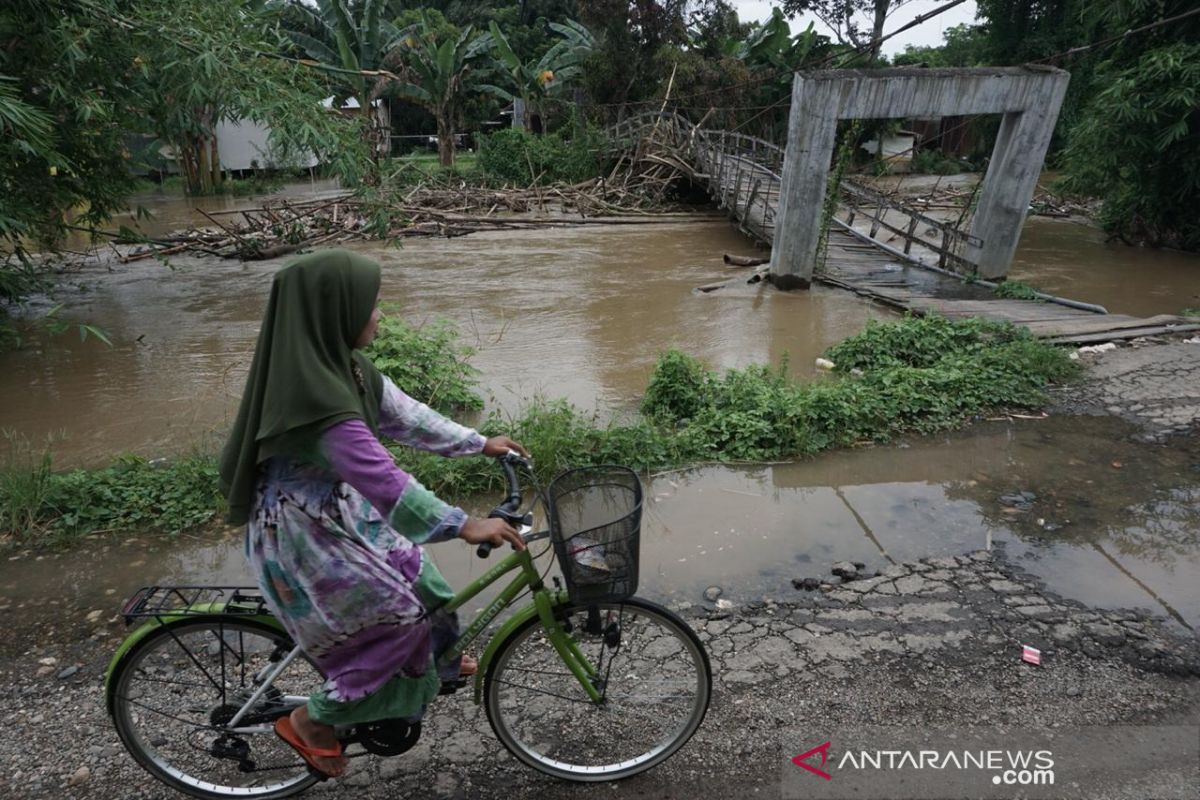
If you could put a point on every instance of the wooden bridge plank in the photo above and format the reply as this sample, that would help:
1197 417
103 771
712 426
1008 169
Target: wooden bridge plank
1121 333
1105 322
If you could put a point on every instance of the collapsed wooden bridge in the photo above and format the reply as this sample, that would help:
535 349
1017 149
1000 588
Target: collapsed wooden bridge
875 246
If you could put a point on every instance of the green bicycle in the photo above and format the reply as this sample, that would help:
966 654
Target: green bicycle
585 683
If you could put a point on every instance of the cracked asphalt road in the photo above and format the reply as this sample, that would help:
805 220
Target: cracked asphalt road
936 642
1154 385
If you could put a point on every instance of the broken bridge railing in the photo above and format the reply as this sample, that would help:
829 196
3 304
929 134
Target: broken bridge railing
945 240
744 175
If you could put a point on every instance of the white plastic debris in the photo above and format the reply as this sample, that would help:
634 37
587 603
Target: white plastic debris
1193 340
824 363
724 605
1096 348
589 555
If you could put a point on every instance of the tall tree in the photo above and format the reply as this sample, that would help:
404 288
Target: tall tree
203 62
1129 132
65 111
854 22
625 66
536 81
105 73
437 69
352 39
964 46
1136 143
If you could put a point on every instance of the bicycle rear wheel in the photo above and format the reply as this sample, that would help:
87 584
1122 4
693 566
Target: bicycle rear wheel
653 673
176 691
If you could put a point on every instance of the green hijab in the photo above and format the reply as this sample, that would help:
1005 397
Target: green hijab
306 375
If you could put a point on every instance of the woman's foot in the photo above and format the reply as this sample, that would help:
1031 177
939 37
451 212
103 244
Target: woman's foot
319 736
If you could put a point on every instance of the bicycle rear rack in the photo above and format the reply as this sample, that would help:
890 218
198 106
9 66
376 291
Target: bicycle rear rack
182 601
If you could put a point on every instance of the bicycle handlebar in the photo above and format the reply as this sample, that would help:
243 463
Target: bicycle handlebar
510 509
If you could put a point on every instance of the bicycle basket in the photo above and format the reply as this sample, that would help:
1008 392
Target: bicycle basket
595 526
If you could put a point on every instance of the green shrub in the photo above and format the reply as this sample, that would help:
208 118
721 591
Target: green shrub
517 157
678 387
427 362
918 374
24 483
170 496
931 162
916 342
1015 290
131 494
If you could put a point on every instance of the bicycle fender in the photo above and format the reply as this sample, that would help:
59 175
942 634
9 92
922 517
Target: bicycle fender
150 625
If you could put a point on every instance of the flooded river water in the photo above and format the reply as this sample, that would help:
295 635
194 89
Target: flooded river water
1071 259
582 313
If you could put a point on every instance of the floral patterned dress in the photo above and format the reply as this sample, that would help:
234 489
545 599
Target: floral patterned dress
334 541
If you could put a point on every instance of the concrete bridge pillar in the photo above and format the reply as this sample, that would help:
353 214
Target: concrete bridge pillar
1028 98
1011 179
812 134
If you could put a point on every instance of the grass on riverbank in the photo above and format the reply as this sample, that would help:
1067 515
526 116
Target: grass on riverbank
915 375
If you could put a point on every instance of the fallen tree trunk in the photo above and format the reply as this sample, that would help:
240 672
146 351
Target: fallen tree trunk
745 261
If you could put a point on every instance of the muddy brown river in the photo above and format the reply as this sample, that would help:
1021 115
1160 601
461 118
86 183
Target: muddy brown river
582 313
1070 259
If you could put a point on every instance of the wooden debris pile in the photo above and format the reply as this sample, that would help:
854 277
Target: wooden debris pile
636 189
282 227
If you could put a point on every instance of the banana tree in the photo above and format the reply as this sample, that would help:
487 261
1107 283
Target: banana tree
533 82
436 70
351 40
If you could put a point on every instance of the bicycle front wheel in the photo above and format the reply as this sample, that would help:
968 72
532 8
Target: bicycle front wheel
651 670
178 689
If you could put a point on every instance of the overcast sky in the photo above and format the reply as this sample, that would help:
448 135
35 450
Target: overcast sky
927 33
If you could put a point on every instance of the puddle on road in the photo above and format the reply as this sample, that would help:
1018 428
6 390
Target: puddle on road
1108 536
579 313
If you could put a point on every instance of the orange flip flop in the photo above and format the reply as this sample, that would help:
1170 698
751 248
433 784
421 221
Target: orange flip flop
285 731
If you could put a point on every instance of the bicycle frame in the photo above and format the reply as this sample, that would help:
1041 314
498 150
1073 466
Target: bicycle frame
543 605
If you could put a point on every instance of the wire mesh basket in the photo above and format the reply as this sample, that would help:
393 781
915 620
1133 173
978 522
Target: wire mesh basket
595 526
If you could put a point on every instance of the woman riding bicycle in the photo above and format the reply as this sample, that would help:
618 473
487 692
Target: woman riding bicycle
334 528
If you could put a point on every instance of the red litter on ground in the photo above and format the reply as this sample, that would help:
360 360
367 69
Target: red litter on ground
1031 655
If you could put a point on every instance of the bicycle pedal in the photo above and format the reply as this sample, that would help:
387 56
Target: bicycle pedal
450 687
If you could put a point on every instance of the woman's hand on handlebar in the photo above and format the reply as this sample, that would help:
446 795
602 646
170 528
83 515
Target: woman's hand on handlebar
499 445
492 531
